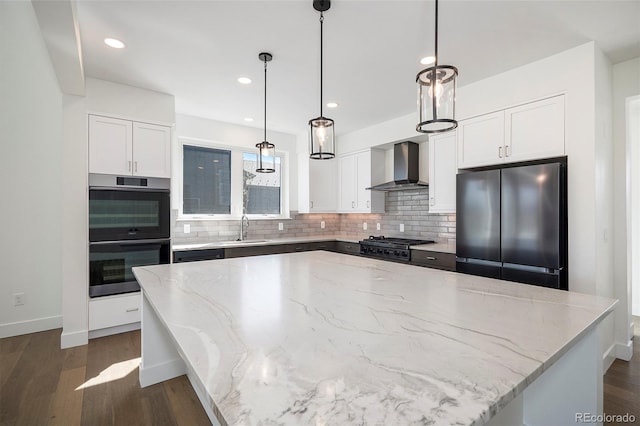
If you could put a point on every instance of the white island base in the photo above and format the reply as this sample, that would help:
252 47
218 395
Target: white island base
499 370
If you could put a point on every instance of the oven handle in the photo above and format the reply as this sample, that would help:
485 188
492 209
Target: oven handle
127 188
131 242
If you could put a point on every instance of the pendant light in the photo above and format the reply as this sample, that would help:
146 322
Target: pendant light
322 136
266 150
437 95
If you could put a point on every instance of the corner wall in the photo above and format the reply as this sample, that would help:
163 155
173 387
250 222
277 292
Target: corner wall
31 176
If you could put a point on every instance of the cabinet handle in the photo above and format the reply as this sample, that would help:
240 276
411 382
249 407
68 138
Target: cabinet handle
133 309
135 166
353 204
129 165
432 201
368 203
499 152
311 202
506 150
431 258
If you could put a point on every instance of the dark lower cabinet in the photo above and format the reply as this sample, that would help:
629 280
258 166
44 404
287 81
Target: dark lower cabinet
347 248
196 255
434 259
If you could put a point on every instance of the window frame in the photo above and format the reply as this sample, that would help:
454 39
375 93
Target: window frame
237 168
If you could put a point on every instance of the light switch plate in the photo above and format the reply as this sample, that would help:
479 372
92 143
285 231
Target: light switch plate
364 226
402 227
322 224
187 228
280 226
377 226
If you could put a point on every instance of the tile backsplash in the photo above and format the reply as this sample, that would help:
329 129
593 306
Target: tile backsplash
409 208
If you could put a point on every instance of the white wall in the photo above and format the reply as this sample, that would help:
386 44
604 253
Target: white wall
31 176
626 83
229 134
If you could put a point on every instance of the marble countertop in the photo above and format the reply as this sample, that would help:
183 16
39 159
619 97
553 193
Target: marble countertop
327 338
439 247
263 242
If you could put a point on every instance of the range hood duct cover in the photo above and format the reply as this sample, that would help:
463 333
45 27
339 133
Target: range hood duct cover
406 170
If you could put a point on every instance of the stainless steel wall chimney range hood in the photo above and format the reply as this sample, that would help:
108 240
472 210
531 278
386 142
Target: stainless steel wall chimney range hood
406 171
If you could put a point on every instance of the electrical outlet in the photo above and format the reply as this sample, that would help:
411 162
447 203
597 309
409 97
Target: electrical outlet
364 226
18 299
402 227
280 226
377 226
322 224
187 228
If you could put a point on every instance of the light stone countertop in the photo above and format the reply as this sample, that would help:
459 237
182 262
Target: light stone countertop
320 337
263 242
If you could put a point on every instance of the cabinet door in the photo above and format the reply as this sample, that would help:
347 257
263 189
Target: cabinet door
322 185
363 180
347 171
535 130
110 146
442 173
151 150
481 140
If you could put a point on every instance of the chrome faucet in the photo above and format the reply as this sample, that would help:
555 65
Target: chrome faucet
244 224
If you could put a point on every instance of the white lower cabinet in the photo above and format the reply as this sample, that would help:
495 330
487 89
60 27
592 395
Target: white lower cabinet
442 173
113 311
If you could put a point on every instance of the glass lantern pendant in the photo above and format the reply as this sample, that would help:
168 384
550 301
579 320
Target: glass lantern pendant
322 135
437 95
266 150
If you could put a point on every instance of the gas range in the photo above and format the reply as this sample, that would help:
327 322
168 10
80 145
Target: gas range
390 247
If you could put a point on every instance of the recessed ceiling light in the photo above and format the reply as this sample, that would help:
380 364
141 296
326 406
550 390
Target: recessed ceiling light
244 80
249 119
114 42
428 60
332 105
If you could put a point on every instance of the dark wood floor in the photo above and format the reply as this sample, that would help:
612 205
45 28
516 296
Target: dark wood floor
97 384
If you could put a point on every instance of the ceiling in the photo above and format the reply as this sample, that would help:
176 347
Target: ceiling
195 50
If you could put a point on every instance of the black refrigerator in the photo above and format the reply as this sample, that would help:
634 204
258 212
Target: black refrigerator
512 223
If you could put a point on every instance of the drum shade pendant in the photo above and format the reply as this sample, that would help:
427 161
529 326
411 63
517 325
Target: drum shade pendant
322 136
437 95
266 150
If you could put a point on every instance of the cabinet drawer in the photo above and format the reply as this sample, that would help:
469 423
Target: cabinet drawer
347 248
196 255
434 259
112 311
323 245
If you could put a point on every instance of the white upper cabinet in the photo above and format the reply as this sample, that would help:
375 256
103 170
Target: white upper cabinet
357 172
481 140
442 173
527 132
322 186
125 147
535 130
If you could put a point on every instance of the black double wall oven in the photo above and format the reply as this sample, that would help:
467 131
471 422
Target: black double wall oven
129 225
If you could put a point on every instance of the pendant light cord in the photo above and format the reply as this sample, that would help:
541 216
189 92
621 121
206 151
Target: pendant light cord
265 100
436 52
321 67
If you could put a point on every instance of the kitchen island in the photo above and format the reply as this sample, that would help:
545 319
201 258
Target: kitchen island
327 338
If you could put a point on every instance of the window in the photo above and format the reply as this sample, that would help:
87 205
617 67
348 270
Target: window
206 180
261 192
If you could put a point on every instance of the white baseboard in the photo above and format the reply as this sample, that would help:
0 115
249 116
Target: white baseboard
94 334
624 352
161 372
30 326
608 357
74 338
